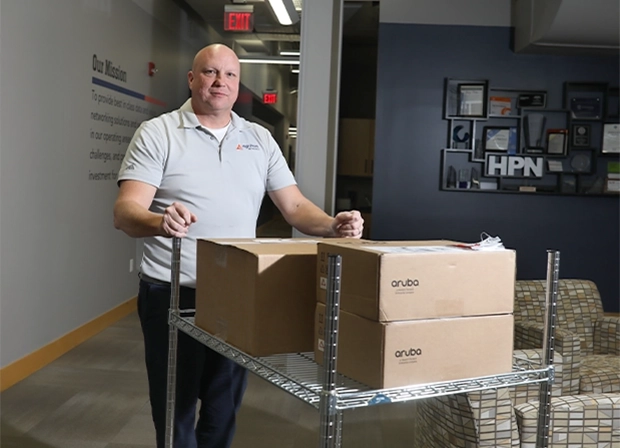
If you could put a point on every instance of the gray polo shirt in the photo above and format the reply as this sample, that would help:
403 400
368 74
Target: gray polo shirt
223 184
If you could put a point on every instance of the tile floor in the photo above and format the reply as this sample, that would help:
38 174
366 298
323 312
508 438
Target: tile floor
95 396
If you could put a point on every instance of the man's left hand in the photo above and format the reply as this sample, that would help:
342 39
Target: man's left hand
348 224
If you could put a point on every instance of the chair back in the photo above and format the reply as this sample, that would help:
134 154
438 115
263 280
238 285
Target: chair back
579 306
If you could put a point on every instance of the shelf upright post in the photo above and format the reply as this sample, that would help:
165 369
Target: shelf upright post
551 297
172 340
331 417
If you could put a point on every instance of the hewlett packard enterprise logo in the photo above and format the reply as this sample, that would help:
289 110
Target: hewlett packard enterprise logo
405 286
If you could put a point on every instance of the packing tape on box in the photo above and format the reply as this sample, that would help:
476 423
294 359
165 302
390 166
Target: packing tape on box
222 329
221 257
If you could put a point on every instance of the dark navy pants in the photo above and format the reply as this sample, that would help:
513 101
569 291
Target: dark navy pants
201 374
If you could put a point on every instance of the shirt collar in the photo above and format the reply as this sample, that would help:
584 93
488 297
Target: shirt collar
190 120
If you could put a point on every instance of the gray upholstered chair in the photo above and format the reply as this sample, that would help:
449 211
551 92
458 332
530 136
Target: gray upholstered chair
508 417
588 341
490 419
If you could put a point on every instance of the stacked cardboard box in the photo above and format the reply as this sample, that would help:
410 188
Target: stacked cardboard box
258 294
411 312
416 312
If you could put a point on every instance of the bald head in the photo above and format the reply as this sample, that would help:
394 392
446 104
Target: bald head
214 51
214 82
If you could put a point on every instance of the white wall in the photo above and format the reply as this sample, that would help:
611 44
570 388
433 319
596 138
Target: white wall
446 12
63 263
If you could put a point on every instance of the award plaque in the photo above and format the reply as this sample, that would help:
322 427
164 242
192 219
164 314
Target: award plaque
580 135
496 138
537 99
611 138
586 108
557 140
499 105
471 100
612 185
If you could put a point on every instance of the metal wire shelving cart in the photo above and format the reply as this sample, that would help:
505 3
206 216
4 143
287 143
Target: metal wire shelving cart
331 393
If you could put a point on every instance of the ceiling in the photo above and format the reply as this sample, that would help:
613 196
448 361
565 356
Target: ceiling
360 20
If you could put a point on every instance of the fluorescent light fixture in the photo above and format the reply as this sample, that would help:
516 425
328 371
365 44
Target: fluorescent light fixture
295 70
269 60
290 53
285 11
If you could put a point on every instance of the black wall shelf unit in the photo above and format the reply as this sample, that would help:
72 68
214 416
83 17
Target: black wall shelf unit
506 140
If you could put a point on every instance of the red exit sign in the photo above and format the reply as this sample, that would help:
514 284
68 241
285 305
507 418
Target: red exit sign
238 21
270 97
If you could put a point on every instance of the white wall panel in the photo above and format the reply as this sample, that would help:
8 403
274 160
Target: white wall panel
63 263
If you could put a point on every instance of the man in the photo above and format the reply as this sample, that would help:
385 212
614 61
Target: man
202 171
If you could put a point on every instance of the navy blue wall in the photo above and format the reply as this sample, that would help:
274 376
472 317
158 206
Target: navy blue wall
413 62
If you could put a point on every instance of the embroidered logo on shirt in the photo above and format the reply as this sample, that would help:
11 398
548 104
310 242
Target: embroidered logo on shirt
239 147
250 147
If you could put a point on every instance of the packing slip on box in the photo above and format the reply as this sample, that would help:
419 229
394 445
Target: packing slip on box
404 280
258 295
405 353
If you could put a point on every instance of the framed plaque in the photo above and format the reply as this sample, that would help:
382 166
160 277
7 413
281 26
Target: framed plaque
500 105
557 142
586 108
496 138
612 185
472 100
580 135
611 138
532 99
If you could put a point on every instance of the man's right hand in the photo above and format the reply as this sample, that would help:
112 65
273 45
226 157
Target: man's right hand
176 220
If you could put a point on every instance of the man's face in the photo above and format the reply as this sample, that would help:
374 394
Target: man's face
214 79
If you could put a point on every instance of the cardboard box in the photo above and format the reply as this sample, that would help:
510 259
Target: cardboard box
404 280
398 354
258 294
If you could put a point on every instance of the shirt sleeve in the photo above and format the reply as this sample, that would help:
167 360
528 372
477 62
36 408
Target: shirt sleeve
279 174
145 158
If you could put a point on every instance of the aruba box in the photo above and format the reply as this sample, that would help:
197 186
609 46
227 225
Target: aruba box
404 280
398 354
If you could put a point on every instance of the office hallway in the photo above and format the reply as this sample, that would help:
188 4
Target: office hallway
95 396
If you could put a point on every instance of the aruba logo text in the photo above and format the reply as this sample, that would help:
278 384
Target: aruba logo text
405 283
408 353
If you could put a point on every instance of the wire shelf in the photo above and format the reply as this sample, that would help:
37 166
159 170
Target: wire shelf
299 375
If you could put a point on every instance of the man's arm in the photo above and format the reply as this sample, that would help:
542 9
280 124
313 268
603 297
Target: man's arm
306 217
132 214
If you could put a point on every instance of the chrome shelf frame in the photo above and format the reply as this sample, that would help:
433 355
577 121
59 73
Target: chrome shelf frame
321 387
299 375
